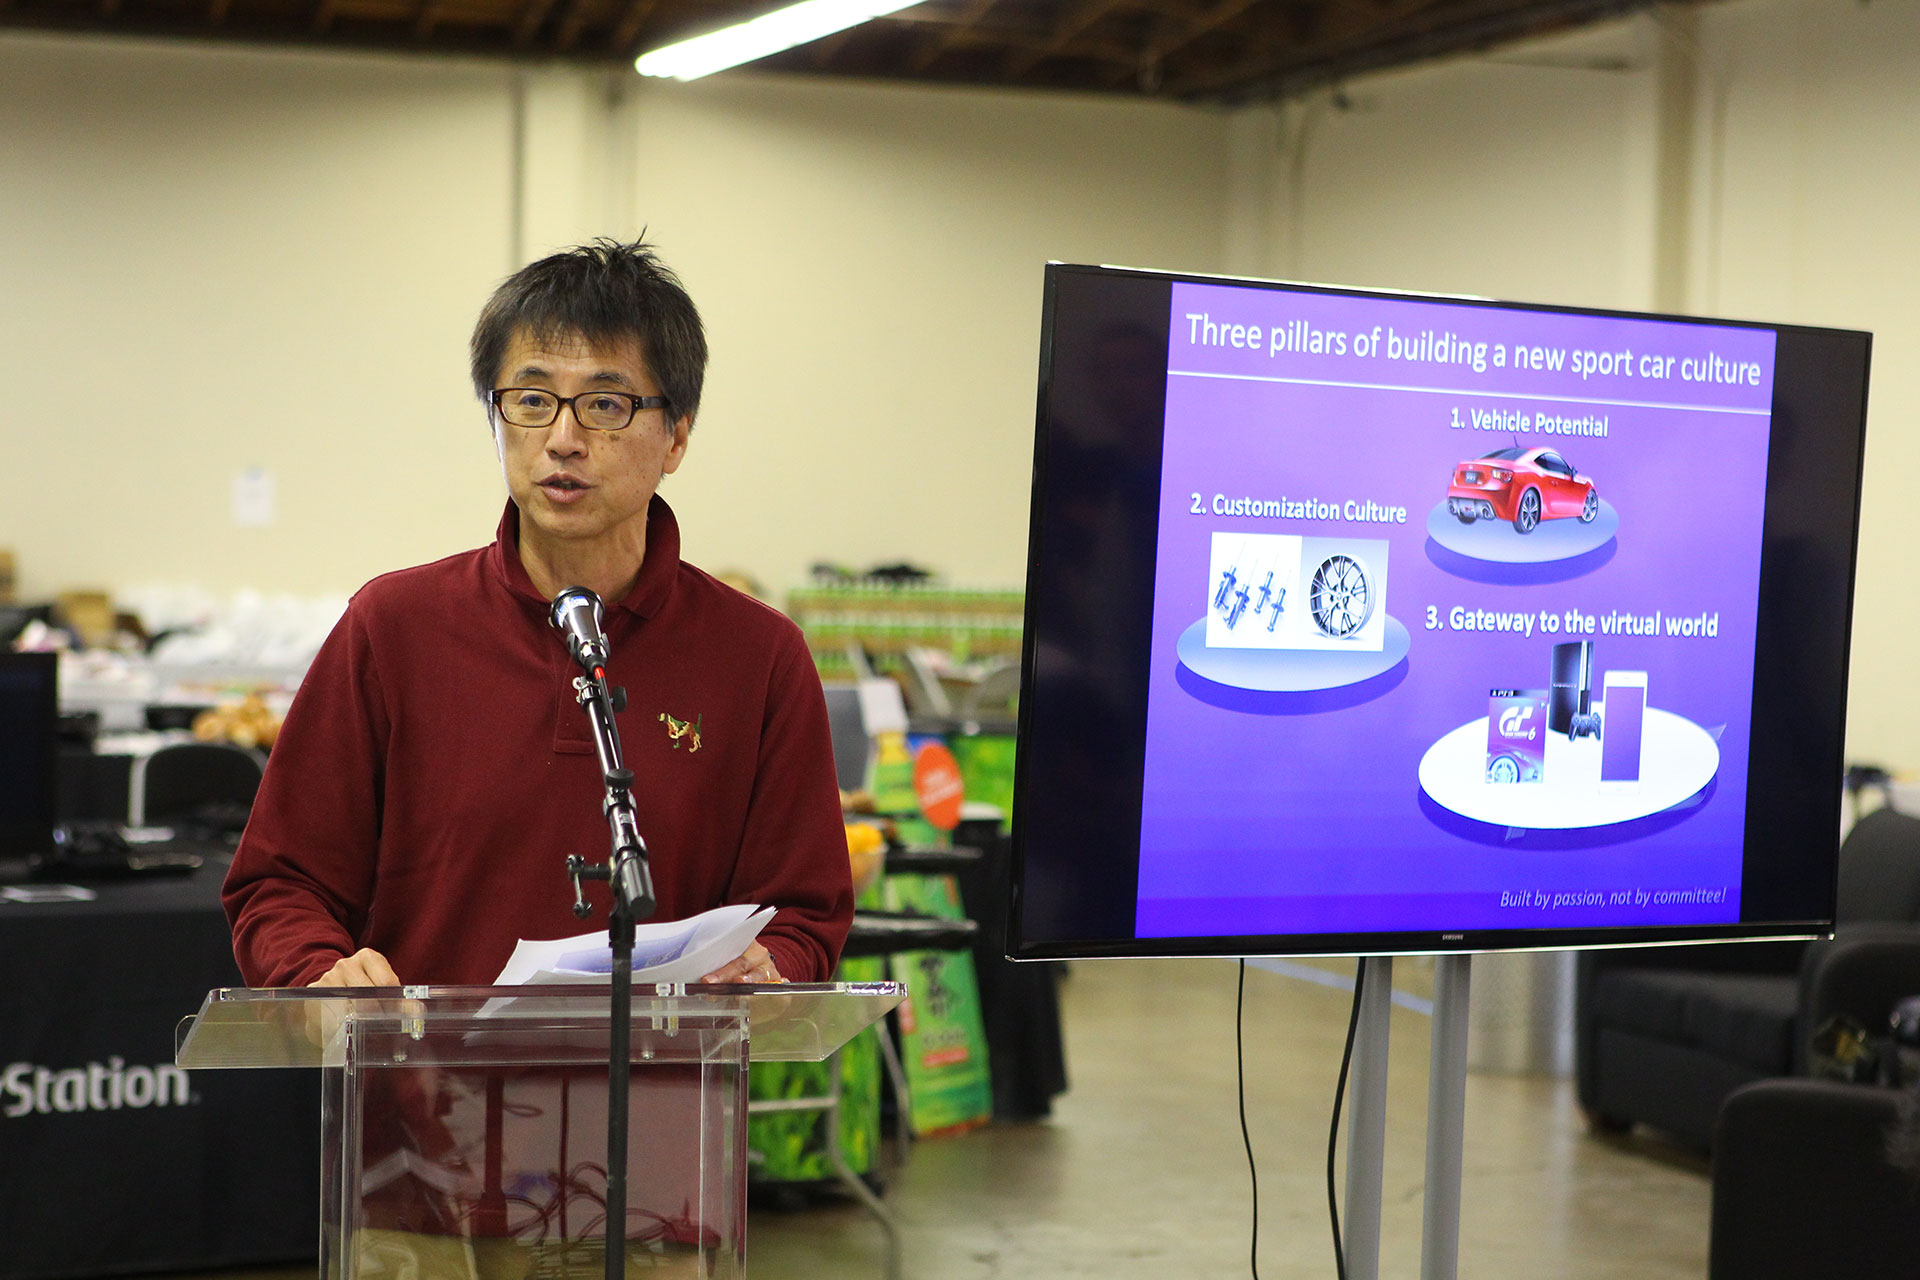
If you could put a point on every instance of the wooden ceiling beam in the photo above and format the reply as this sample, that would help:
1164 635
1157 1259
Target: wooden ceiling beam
1215 18
931 52
1340 38
626 33
323 16
572 22
1122 56
824 50
1070 26
532 18
426 19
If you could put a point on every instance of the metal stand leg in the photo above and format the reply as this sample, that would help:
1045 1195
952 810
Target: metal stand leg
828 1104
897 1077
861 1191
1367 1120
1446 1120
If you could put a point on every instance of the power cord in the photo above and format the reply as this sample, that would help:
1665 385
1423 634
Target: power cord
1240 1071
1333 1132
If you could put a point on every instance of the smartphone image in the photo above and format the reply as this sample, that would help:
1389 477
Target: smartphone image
1624 708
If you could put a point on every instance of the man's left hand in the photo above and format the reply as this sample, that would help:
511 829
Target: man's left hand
755 964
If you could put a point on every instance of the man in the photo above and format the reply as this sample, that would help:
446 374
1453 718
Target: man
435 770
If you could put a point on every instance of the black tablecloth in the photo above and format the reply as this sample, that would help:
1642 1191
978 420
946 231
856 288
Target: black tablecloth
112 1161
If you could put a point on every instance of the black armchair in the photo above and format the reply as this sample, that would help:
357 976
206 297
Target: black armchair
194 780
1664 1035
1803 1188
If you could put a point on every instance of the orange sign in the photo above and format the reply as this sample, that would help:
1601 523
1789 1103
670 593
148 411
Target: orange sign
937 784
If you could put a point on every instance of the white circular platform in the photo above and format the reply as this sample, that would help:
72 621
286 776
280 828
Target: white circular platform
1497 541
1291 670
1677 759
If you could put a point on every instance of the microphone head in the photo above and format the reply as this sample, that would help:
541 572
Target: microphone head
576 615
570 599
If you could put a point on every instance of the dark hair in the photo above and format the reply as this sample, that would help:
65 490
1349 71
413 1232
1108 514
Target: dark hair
607 293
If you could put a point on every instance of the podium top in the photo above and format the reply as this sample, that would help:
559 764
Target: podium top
558 1025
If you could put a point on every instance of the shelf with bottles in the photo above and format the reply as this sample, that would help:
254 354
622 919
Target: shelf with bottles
886 619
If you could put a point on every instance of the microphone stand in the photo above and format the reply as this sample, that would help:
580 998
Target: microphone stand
632 883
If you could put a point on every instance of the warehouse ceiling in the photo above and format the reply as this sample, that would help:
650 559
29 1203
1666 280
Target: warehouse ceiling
1219 50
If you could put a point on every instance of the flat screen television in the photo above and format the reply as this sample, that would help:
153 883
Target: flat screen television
1368 622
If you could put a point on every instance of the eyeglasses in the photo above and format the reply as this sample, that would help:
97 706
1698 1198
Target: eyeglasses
594 410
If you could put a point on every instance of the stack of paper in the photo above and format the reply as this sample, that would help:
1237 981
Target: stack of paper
677 951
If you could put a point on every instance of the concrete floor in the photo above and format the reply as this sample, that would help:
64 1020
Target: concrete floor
1140 1173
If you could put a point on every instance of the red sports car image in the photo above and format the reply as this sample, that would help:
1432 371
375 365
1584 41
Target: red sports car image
1524 486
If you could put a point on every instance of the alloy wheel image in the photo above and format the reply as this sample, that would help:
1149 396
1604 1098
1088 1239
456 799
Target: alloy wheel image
1526 518
1340 598
1591 507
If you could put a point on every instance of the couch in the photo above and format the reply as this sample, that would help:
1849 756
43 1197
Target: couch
1664 1035
1803 1188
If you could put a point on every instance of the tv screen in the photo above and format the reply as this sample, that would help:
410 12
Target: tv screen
1377 622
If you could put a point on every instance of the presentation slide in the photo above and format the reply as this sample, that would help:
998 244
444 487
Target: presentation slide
1453 617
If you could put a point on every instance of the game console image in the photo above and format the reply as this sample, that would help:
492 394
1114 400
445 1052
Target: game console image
1593 764
1571 709
1291 613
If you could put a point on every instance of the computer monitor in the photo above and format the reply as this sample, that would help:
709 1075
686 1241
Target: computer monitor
1377 622
29 720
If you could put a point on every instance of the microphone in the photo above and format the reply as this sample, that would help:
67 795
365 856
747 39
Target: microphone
576 615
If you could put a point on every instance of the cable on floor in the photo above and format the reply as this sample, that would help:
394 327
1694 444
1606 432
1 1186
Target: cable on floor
1333 1132
1240 1072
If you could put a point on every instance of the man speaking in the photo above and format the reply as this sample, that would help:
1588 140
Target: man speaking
435 770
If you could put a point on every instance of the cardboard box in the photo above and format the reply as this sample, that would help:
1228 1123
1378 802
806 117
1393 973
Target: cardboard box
90 613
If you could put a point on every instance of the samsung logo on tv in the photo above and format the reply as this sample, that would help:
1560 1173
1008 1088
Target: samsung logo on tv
31 1089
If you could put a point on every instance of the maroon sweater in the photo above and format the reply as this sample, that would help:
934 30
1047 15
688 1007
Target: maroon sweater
435 771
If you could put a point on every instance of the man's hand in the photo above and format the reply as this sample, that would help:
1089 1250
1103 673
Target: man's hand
755 964
364 968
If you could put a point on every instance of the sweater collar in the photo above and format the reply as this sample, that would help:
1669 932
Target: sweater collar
651 590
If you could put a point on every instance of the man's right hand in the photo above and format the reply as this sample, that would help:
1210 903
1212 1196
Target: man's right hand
364 968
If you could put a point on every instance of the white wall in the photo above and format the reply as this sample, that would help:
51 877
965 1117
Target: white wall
211 260
1817 223
270 259
869 263
1526 176
1757 159
179 223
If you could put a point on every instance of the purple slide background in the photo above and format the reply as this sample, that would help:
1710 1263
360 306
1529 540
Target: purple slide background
1265 821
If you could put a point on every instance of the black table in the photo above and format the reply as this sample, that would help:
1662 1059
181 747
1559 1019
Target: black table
111 1159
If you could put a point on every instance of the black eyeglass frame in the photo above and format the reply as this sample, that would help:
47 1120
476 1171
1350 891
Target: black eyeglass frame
635 405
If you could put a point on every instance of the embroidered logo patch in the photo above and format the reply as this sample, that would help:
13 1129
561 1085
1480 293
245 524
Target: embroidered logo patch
687 731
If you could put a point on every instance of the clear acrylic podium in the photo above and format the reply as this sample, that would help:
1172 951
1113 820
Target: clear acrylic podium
465 1128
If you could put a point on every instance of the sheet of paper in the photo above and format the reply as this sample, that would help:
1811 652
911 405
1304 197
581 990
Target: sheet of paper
674 951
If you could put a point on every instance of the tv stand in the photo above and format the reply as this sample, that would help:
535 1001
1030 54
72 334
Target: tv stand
1446 1120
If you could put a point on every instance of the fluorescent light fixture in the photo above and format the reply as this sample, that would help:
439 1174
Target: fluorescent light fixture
767 34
